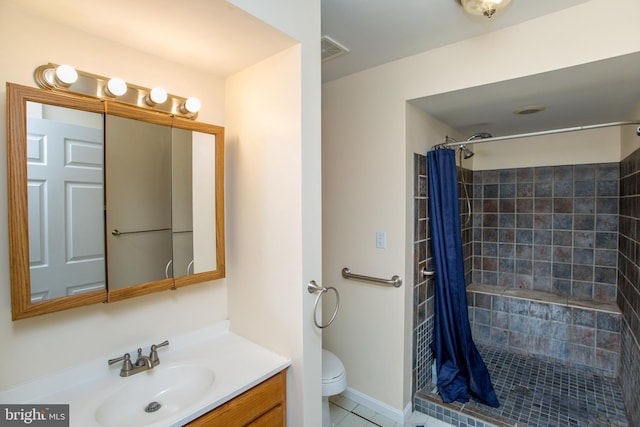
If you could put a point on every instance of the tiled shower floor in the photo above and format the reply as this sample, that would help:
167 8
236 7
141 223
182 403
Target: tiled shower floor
535 393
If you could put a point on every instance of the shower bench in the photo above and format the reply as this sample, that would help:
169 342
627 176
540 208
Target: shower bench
571 331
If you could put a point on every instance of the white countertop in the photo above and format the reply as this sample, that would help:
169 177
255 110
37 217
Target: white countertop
238 365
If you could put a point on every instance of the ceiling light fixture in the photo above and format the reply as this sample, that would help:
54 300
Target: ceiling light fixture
59 75
116 87
529 109
191 105
157 96
64 78
483 7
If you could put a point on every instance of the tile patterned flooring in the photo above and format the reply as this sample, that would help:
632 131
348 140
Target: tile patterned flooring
535 393
347 413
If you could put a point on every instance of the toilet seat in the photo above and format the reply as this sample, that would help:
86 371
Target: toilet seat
334 377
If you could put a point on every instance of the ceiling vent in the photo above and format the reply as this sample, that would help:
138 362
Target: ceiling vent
331 48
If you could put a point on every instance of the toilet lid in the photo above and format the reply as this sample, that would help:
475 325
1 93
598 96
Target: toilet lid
332 367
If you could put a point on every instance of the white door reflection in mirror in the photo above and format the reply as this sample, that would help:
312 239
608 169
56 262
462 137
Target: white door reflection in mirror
65 196
204 205
193 202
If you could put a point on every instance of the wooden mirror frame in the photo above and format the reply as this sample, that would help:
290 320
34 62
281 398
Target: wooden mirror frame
21 305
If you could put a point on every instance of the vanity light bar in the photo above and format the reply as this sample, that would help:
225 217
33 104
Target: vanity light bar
65 78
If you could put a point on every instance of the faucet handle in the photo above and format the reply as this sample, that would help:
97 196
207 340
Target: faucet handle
126 365
126 356
154 352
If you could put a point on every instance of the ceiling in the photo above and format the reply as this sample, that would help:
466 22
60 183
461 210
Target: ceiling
382 31
210 35
598 92
217 37
376 32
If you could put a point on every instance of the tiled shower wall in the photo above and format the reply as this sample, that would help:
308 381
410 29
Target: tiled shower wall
629 283
552 229
423 288
549 229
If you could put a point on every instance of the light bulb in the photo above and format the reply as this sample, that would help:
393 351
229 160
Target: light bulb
116 87
66 75
192 105
157 96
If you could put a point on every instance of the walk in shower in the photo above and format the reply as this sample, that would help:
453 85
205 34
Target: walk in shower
552 271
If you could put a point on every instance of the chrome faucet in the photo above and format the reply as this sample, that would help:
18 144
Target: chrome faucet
142 363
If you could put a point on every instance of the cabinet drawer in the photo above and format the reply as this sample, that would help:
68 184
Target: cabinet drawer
262 406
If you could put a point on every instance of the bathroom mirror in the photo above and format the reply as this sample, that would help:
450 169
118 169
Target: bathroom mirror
104 207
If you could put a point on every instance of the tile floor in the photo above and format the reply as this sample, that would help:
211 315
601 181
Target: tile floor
535 393
347 413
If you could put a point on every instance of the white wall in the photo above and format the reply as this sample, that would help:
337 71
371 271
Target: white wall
592 146
265 237
275 238
36 346
366 154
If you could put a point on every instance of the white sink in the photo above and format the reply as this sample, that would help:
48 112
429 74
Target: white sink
173 388
199 372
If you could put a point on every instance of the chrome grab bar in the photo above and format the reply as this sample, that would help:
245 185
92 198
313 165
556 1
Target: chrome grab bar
395 281
312 287
117 232
429 274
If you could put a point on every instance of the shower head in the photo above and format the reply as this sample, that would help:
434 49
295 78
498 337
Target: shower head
480 135
467 153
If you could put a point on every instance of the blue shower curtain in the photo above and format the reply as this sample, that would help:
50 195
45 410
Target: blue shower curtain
461 370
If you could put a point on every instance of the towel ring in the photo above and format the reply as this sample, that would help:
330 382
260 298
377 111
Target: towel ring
312 287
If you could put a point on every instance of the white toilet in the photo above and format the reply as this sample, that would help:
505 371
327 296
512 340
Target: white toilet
334 381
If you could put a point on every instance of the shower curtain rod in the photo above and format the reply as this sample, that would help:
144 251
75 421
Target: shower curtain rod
540 133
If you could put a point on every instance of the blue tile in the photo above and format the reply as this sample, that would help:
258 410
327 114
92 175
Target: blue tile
507 176
507 190
606 222
584 189
584 222
543 190
609 171
563 173
584 205
584 239
559 331
543 174
561 271
563 221
562 189
583 256
606 275
560 313
608 321
524 189
519 323
606 240
542 237
524 236
607 205
518 306
607 188
584 172
539 310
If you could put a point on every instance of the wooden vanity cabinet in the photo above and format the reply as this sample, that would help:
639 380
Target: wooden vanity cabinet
261 406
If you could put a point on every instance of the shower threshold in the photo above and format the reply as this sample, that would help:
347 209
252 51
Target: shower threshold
534 393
